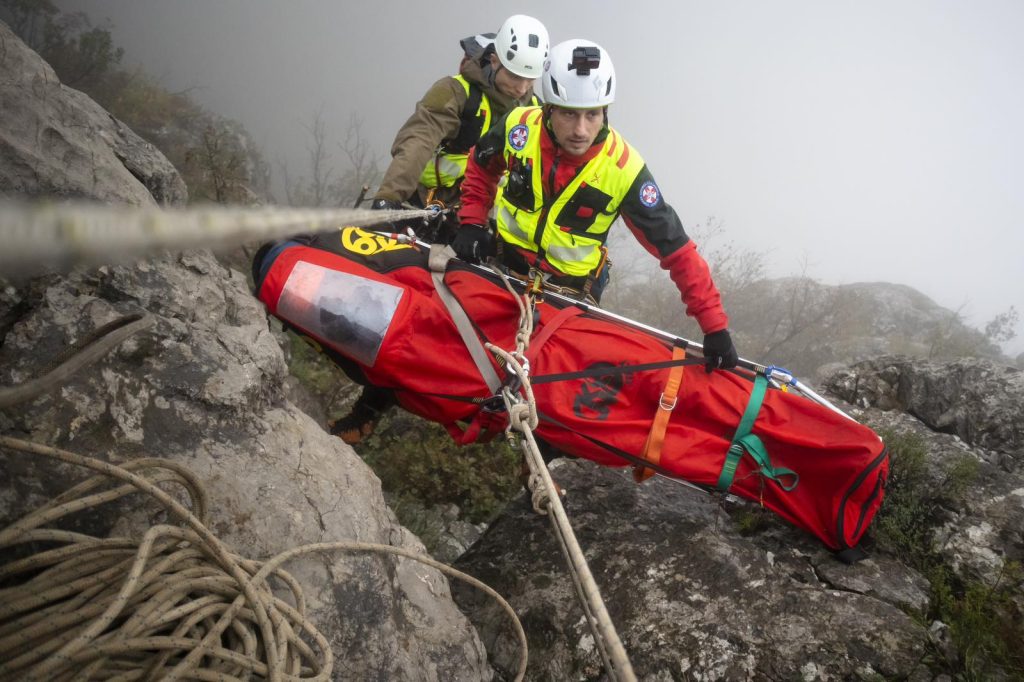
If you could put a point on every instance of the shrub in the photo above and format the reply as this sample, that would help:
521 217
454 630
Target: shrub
416 460
984 619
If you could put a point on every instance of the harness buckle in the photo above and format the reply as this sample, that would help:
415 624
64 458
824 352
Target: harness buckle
493 404
668 407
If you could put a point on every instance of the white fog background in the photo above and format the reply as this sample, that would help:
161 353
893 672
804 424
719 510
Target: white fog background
875 141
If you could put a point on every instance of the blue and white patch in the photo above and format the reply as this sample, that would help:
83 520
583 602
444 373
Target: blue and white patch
649 194
517 137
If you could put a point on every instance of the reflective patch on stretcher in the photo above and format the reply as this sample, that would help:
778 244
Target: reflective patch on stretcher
347 312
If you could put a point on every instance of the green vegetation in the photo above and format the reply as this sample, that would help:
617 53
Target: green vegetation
318 375
417 459
418 463
750 519
984 619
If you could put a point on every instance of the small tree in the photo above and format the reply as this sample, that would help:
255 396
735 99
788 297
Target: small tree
1003 327
218 165
363 166
321 187
29 19
319 160
81 55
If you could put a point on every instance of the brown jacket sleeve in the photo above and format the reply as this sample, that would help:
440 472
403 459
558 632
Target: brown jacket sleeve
437 117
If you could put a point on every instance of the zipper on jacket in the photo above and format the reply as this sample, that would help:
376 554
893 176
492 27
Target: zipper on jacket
545 208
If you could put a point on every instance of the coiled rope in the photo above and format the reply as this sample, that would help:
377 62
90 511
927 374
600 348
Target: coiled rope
176 605
523 419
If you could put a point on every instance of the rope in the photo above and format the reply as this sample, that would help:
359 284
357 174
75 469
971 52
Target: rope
37 236
40 235
523 418
177 605
88 352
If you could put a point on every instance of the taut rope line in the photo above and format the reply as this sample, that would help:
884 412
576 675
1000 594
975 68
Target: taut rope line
36 236
523 418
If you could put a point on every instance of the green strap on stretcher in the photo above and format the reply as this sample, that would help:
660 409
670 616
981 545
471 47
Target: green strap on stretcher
745 441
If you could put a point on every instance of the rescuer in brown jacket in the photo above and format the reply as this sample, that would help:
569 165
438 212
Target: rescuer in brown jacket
496 75
430 151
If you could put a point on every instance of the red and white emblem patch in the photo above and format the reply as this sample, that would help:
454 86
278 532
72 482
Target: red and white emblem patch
517 137
649 194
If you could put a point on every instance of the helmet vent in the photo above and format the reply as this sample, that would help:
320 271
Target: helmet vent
534 40
554 86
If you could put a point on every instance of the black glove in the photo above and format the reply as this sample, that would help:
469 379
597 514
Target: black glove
386 205
473 243
719 353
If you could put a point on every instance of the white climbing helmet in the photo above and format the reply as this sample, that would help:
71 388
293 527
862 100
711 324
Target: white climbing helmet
578 75
522 45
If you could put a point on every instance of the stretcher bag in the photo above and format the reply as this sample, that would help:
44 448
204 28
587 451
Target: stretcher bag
372 304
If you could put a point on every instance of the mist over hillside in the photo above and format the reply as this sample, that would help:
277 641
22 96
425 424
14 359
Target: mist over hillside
873 142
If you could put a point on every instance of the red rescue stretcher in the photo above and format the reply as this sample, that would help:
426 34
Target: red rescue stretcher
373 304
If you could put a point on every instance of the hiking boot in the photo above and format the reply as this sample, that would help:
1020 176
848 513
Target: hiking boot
361 421
353 428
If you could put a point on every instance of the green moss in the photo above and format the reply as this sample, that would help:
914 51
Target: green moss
750 520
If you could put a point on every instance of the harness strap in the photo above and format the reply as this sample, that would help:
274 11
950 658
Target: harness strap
550 327
666 404
438 262
594 274
629 458
607 371
471 126
745 441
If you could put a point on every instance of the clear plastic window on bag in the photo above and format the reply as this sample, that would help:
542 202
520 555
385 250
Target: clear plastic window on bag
350 313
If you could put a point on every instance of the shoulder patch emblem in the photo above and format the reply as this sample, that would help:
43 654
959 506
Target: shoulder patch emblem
517 137
649 194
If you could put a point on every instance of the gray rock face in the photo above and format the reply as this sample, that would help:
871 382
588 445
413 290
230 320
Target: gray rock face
691 598
978 400
57 142
204 387
969 409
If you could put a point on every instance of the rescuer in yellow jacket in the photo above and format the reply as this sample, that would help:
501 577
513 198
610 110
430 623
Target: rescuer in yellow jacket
558 176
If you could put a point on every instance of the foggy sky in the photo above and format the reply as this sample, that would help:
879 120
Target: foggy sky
875 141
